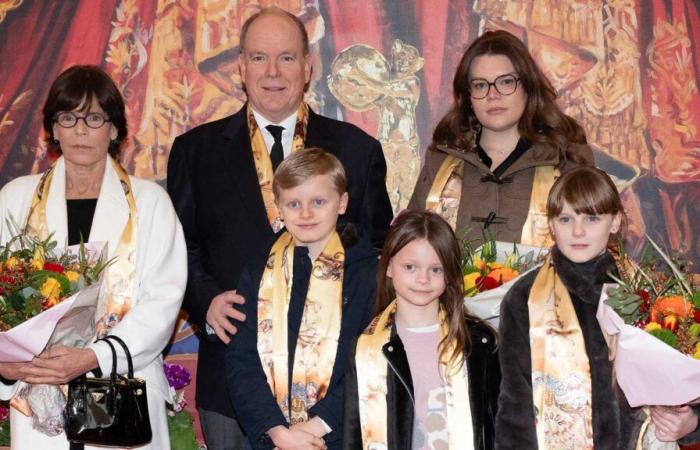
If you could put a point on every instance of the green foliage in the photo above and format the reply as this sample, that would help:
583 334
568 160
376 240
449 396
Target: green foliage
667 336
625 303
181 430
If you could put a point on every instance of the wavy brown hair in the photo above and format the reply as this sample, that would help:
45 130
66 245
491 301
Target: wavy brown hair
542 121
407 227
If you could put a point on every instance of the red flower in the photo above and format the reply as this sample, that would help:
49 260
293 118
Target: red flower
53 267
646 300
696 315
487 283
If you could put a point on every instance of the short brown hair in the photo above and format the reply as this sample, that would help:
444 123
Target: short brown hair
300 166
588 190
76 87
281 12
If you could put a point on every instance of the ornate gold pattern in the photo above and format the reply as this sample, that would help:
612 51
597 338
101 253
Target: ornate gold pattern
7 6
362 79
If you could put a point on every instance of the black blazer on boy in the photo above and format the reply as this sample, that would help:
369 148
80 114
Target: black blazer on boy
255 405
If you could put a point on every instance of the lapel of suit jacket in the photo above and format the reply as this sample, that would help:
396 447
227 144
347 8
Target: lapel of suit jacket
238 155
315 135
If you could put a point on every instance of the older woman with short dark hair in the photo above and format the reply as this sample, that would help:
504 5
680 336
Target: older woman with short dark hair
87 196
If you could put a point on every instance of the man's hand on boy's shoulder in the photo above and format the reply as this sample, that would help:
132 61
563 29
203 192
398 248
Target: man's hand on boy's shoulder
294 439
220 311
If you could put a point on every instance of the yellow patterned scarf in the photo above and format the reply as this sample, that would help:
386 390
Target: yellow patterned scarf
446 191
317 343
561 377
263 163
372 388
119 280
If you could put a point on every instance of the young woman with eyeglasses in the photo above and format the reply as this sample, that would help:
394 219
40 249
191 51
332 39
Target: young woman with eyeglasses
498 150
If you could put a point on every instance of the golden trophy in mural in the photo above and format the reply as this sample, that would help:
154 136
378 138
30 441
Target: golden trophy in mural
362 79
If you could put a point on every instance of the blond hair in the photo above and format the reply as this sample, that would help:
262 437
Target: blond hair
300 166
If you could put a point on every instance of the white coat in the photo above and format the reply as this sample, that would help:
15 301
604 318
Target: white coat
161 276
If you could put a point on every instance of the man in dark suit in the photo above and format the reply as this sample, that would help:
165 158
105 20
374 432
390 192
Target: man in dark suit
219 178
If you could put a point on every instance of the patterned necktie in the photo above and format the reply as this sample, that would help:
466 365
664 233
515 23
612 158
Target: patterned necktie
277 152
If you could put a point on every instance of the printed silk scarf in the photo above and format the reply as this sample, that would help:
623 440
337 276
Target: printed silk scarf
446 191
561 377
119 280
263 163
317 344
372 370
119 277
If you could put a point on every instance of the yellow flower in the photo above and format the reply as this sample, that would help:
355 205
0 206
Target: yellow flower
72 276
12 262
651 326
470 280
51 289
38 259
495 266
697 351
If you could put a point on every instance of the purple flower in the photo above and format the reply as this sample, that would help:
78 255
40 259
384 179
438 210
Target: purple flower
4 413
178 377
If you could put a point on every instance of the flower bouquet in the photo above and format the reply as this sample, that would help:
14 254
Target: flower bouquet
45 293
490 270
180 422
652 321
47 297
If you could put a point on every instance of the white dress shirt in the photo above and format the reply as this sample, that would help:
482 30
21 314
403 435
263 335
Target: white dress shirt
289 124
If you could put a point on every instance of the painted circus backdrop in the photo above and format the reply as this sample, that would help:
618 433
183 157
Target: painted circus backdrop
628 70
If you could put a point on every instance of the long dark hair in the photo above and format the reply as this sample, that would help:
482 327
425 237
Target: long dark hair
76 87
542 121
412 225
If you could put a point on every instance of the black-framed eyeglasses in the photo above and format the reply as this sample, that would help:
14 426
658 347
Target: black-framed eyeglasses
69 120
505 85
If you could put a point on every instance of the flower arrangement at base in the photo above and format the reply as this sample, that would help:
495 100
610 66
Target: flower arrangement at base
491 269
4 426
180 422
652 321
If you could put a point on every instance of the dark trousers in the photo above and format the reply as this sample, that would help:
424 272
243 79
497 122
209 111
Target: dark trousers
222 432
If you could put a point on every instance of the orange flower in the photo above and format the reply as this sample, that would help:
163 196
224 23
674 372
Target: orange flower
504 274
673 304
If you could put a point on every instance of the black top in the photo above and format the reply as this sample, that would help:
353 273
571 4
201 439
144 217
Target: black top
80 214
522 146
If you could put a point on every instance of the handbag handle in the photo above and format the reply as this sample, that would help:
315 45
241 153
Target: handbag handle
130 363
113 375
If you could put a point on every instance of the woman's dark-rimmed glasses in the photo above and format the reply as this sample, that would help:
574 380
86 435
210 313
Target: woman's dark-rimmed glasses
505 85
69 120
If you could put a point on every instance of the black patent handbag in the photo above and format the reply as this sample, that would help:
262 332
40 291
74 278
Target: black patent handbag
111 411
